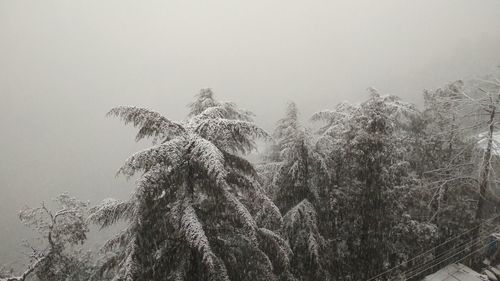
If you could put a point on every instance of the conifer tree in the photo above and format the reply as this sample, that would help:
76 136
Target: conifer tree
297 179
371 186
198 212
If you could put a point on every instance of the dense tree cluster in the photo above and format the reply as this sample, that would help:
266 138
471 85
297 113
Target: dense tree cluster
370 187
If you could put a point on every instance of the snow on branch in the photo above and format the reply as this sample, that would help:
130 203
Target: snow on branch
196 238
242 212
150 123
27 272
166 154
231 135
119 240
300 222
110 211
210 158
203 100
131 265
274 243
206 106
225 110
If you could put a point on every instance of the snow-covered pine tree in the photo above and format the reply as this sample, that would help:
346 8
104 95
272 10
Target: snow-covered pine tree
198 212
331 139
297 179
301 169
365 147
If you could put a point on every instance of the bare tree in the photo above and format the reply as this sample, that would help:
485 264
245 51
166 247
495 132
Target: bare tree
58 229
474 109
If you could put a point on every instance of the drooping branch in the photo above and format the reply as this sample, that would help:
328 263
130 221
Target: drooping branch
27 272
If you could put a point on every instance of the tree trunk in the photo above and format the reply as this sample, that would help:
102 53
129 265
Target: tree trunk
483 184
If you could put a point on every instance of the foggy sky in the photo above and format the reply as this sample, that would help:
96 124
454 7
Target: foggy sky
63 64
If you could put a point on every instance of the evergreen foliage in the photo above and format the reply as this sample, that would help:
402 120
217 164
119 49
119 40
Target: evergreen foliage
196 213
356 199
295 185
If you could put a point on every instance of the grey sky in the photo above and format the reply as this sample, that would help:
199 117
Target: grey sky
63 64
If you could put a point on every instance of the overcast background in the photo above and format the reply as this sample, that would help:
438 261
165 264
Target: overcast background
63 64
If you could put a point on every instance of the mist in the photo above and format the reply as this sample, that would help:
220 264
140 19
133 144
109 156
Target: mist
64 64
